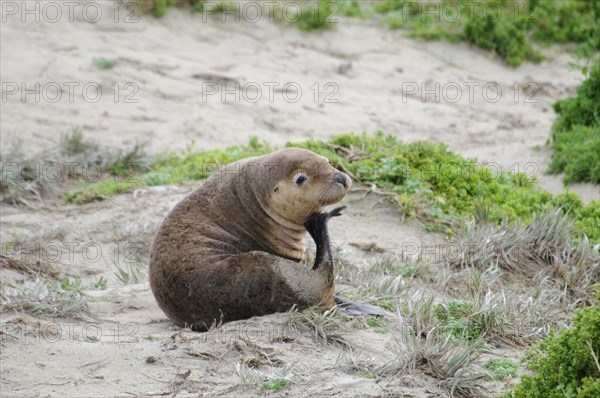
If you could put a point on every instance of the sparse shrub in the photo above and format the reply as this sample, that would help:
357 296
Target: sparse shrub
567 362
500 30
247 375
373 322
316 14
586 218
576 133
405 269
505 27
501 35
566 21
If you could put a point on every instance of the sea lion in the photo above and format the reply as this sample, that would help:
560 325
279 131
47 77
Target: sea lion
233 248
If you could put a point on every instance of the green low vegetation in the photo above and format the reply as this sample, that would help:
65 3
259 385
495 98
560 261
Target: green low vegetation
159 7
275 385
99 284
104 63
576 133
428 180
509 28
566 364
455 319
501 368
306 14
128 273
318 15
69 285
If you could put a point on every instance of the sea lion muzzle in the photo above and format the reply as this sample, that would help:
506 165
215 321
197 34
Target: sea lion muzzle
341 179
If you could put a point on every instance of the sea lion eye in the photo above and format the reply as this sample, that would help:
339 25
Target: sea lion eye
300 179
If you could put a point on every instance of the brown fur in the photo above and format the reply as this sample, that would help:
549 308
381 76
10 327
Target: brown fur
232 248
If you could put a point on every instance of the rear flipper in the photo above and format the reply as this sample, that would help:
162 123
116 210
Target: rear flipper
354 309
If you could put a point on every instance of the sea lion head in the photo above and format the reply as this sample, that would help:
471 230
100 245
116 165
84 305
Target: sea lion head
303 183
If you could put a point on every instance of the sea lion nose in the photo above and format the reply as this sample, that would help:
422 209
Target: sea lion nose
341 178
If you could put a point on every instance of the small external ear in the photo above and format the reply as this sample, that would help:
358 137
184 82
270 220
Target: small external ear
276 189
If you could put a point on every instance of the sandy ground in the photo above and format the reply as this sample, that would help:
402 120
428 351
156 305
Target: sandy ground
107 356
170 75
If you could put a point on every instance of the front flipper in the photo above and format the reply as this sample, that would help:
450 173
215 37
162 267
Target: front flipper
354 309
317 228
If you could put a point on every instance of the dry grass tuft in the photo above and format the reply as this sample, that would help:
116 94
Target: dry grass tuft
276 379
22 181
380 283
542 249
44 298
30 267
327 327
29 179
438 356
504 313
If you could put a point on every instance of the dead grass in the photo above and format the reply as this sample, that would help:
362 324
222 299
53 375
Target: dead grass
29 179
359 364
543 249
22 182
505 312
74 143
380 282
326 328
274 378
437 355
421 347
45 299
30 267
